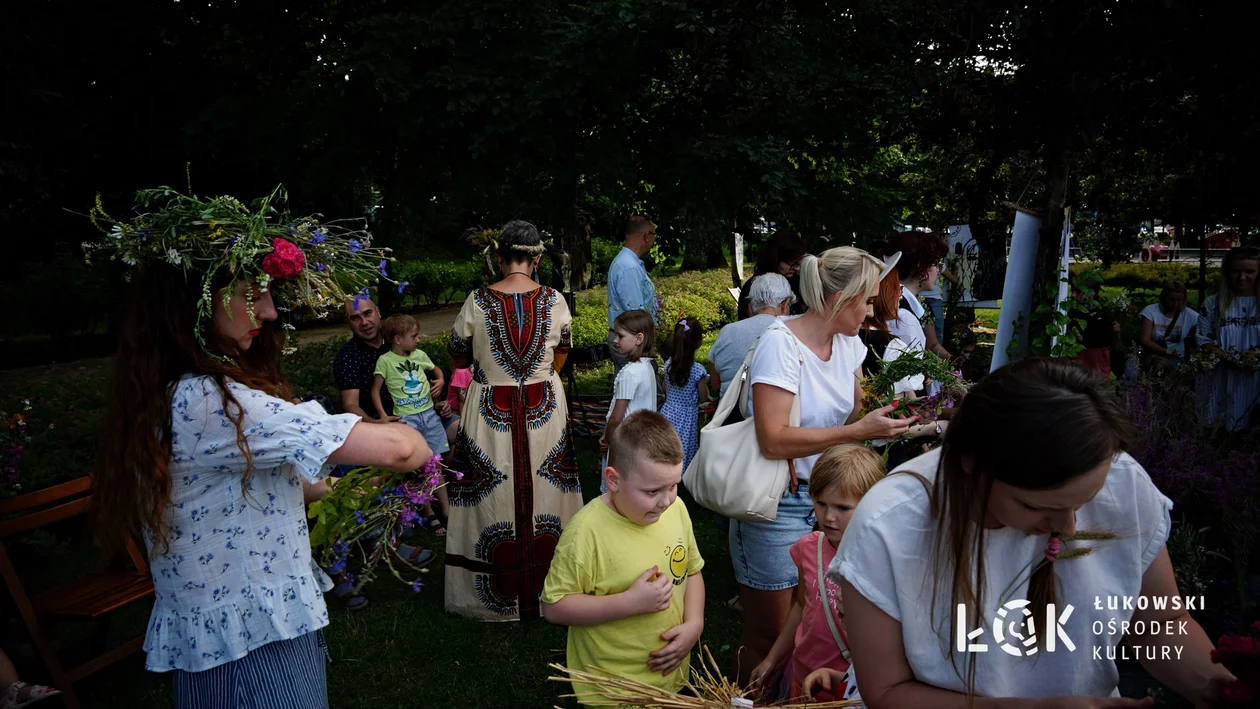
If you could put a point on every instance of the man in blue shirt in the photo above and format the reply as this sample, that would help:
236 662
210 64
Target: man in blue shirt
629 287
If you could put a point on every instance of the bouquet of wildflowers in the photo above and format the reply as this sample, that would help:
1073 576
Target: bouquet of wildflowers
878 391
364 515
1241 655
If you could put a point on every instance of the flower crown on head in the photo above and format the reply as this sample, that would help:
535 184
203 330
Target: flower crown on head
307 263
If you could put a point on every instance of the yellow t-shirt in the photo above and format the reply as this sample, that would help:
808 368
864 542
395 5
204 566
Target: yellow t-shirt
406 381
601 553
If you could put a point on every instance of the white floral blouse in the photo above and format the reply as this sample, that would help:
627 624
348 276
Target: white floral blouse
238 573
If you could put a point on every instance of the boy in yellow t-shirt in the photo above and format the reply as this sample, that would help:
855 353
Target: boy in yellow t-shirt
626 574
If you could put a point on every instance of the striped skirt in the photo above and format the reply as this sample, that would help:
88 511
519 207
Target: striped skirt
286 674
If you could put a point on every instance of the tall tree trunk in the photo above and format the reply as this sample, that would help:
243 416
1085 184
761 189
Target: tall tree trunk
576 241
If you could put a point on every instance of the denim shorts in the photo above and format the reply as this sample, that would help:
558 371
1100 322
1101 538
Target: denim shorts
759 550
429 426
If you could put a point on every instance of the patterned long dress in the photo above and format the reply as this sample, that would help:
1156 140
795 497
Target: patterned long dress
520 478
1231 395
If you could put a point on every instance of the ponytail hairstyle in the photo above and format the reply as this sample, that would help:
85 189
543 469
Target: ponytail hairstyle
638 322
1078 425
687 336
846 270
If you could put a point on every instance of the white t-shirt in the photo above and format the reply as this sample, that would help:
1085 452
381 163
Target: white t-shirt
637 382
909 323
887 553
1174 339
827 387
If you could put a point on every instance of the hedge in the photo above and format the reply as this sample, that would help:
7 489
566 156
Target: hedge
1151 276
699 294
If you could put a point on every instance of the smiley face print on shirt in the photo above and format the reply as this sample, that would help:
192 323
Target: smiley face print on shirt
678 562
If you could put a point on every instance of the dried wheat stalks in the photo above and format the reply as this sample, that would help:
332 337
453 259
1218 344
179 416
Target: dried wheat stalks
712 689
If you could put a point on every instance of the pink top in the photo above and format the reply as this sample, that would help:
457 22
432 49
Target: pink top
460 379
815 646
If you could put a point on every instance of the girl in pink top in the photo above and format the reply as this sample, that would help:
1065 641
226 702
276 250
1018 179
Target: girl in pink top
806 643
456 390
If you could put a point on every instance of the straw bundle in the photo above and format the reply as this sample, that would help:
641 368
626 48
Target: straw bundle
712 690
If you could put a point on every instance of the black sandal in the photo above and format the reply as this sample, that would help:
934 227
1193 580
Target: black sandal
436 526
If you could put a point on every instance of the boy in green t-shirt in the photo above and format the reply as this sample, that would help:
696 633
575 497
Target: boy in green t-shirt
626 576
404 372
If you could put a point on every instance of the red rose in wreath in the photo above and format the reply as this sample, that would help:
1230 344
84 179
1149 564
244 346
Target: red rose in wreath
285 261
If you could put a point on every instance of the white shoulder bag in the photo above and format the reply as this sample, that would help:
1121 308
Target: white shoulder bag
729 475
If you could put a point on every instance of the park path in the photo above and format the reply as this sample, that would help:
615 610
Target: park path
432 323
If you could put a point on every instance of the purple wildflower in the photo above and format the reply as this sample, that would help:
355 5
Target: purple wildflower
318 237
417 585
458 475
338 565
381 267
358 517
360 297
320 267
408 518
354 246
403 286
433 464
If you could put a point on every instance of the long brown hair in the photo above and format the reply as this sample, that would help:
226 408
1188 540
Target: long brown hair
1034 424
157 346
688 334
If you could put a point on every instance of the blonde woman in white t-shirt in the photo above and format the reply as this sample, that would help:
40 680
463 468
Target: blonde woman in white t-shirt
818 357
1030 502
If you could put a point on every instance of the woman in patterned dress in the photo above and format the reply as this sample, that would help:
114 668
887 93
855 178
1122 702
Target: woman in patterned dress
520 479
1230 322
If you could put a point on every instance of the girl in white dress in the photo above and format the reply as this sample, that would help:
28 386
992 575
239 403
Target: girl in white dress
1230 323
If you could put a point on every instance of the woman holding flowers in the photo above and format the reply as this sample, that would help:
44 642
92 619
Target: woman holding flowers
1229 327
1031 501
816 359
520 479
205 455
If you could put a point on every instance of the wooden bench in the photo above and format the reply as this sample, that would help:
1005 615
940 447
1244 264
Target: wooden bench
91 598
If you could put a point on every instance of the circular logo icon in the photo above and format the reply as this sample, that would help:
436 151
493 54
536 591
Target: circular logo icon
1013 627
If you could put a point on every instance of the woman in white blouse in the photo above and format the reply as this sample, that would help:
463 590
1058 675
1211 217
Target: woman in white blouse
818 358
994 522
206 455
1230 322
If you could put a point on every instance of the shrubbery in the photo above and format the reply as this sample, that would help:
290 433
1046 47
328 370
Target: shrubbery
700 294
1151 276
439 282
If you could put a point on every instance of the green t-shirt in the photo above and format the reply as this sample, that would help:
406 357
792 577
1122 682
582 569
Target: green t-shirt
406 382
602 553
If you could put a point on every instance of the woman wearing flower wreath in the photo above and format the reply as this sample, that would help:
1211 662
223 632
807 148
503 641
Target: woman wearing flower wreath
520 479
204 453
1031 501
